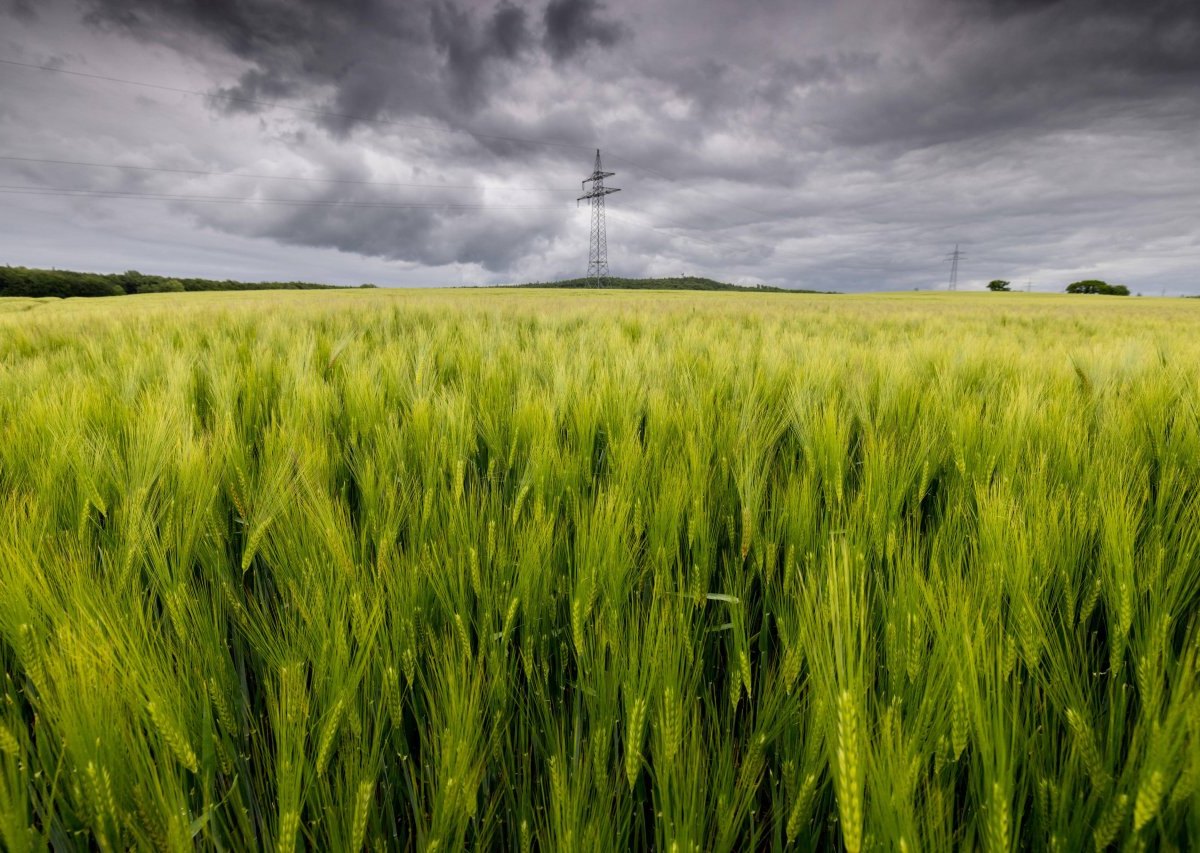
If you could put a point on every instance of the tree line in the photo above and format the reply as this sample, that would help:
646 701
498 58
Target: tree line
26 281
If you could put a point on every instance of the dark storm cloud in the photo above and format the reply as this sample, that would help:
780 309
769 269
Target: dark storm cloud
469 48
1173 9
375 55
508 30
418 57
1085 41
377 58
572 25
1004 8
1048 65
23 9
252 87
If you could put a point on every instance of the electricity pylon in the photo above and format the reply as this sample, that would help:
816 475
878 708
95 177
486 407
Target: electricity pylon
954 257
598 253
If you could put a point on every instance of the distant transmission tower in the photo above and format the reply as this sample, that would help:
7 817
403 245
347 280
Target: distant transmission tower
954 257
598 254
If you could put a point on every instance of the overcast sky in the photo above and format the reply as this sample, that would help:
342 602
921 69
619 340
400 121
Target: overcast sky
828 144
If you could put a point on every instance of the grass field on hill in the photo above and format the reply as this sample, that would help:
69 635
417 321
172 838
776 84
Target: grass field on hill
599 571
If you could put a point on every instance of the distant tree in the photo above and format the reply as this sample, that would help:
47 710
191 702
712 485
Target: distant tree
153 284
368 285
1093 285
131 281
999 285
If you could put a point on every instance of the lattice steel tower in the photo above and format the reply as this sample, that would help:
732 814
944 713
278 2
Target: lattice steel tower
598 255
954 257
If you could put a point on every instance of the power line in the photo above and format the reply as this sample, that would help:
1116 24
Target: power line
697 190
662 223
662 230
199 172
10 189
64 192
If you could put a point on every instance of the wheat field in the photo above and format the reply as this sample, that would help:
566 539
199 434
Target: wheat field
599 571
